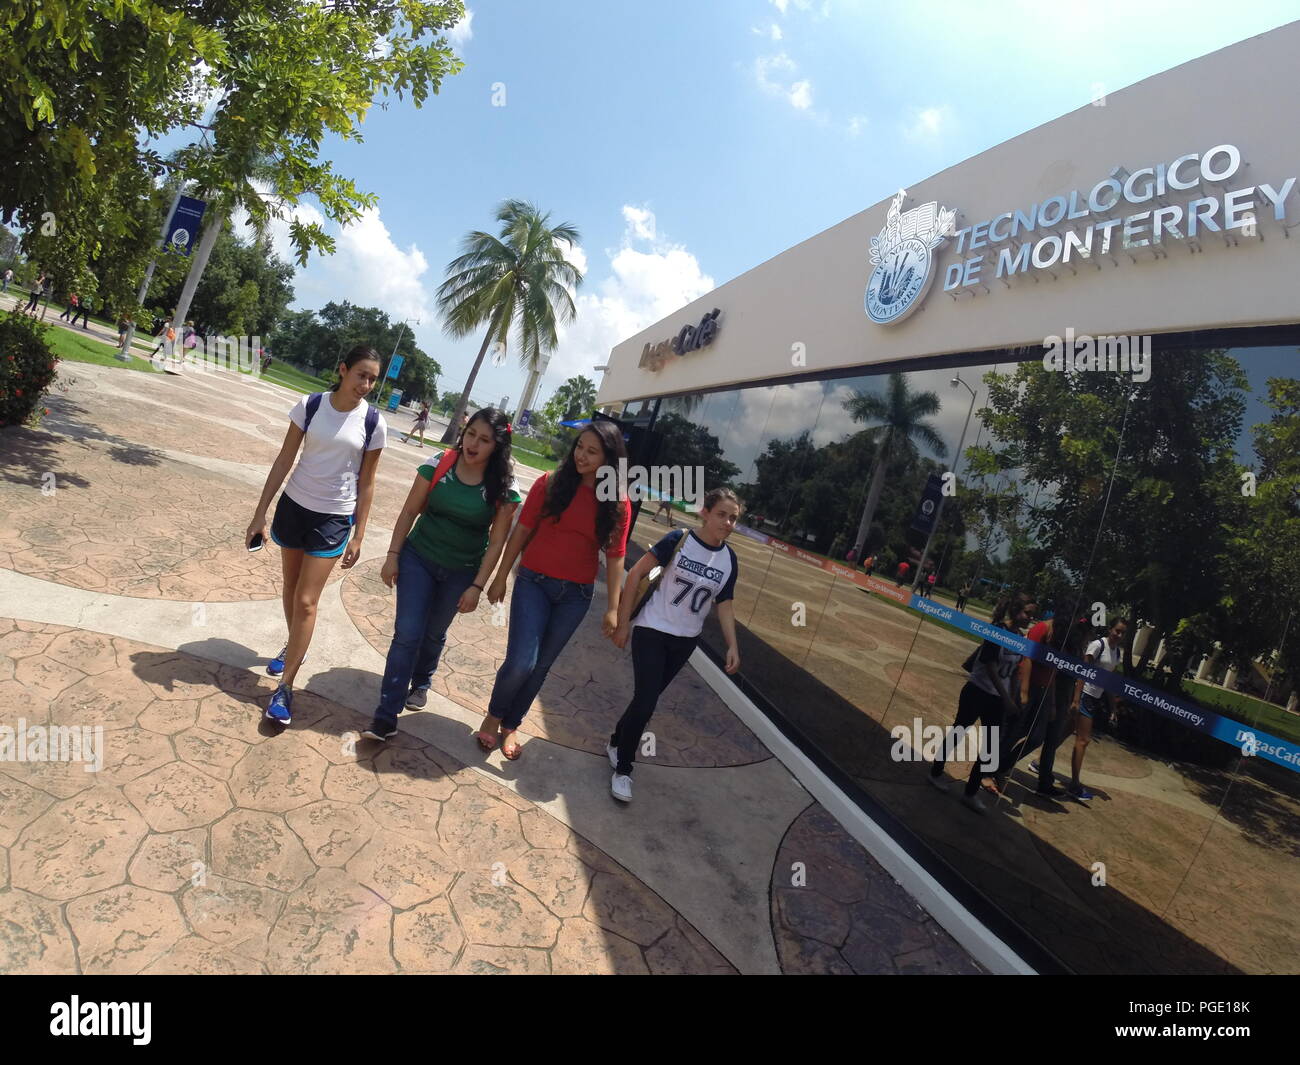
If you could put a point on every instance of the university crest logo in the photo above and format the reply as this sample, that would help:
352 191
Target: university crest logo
901 254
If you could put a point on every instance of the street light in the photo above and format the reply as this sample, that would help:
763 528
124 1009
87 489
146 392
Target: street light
938 512
384 376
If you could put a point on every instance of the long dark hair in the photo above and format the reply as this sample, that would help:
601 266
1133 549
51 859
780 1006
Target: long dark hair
358 354
500 471
563 483
1009 606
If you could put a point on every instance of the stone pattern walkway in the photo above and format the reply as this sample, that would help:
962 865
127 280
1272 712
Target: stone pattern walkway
205 845
835 910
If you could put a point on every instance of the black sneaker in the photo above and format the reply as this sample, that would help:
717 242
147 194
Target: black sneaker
379 730
1051 792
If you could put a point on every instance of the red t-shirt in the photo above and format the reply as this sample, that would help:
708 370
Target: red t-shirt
1040 673
567 549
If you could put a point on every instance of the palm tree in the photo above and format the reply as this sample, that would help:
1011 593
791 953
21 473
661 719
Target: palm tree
519 278
899 413
577 396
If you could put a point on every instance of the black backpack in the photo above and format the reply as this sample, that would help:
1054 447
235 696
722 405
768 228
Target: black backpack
372 420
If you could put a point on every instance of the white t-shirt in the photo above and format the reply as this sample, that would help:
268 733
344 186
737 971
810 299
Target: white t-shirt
699 575
325 479
1104 656
1005 663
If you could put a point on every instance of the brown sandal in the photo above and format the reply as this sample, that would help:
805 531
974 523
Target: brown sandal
487 741
505 750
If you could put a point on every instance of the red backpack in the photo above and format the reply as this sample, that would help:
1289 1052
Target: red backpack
445 463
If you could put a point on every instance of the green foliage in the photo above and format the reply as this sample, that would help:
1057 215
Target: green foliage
245 290
81 83
320 340
27 367
574 398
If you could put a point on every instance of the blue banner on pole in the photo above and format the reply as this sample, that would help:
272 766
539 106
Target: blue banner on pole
183 228
395 367
923 520
1242 736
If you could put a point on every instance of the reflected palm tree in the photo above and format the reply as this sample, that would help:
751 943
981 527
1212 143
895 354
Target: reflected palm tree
900 413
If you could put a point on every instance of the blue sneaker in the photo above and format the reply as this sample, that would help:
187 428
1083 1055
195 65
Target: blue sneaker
1082 794
275 667
280 708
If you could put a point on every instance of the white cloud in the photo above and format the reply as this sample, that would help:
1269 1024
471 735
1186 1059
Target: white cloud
367 268
640 222
461 33
775 75
857 124
781 5
927 123
650 278
773 31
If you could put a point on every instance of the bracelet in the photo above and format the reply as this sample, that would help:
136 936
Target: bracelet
478 586
394 552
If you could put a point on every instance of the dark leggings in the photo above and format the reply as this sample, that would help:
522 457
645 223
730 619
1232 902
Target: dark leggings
657 657
975 704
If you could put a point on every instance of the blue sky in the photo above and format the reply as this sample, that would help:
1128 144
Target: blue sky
690 140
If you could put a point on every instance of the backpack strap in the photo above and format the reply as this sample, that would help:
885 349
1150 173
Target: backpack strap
445 463
313 405
372 420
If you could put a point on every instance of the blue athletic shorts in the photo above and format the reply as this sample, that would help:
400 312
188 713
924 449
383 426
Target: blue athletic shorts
1089 705
319 535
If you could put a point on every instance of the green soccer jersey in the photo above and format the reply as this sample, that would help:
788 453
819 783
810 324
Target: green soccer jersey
453 529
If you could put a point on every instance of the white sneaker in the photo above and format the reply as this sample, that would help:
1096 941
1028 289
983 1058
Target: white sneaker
621 787
976 802
612 751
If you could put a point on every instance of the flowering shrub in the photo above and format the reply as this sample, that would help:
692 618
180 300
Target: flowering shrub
27 367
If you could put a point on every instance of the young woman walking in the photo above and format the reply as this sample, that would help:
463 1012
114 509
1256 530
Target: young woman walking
563 527
422 423
327 498
464 505
699 568
1105 653
992 696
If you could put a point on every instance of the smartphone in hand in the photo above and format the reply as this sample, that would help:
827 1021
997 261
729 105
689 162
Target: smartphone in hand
256 543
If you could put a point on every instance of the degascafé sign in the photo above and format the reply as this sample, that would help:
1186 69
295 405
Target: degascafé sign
689 338
1148 207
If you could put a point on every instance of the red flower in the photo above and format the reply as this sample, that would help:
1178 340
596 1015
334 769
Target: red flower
507 427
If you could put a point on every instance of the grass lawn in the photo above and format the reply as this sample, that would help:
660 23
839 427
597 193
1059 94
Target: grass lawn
1247 710
70 347
281 373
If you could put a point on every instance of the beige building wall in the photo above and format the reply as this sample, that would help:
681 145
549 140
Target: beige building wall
812 295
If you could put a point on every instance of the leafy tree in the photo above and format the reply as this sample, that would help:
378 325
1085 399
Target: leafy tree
319 340
518 279
899 412
688 444
81 82
1115 477
575 398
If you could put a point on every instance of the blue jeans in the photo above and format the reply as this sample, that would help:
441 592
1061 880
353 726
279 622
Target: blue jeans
427 597
545 612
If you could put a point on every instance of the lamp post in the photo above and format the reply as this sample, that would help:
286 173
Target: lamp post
384 376
938 512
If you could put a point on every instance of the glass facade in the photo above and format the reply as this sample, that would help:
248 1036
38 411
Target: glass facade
1172 503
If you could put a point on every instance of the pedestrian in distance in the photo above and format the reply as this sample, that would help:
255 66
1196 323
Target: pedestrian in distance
698 568
904 568
461 509
962 595
8 276
38 286
83 312
562 528
422 423
326 500
992 695
70 311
